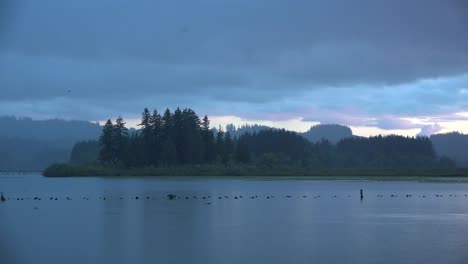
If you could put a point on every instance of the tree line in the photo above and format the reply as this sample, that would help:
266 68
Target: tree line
173 138
183 138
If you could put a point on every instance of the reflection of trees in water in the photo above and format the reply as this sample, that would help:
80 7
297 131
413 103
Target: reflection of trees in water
149 228
168 231
115 229
171 228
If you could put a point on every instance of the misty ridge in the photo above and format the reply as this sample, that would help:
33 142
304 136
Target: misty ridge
180 143
34 144
56 131
28 144
31 145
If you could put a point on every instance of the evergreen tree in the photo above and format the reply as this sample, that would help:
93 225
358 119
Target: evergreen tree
177 135
146 124
209 150
205 124
181 138
168 149
242 152
219 145
167 125
192 137
169 153
134 154
120 139
156 138
106 142
228 148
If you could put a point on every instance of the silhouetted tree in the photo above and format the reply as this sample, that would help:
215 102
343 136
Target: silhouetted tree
219 145
106 141
228 148
208 141
181 138
169 153
120 139
146 126
242 152
156 138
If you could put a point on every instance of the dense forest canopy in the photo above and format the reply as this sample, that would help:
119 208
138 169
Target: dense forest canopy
183 138
247 128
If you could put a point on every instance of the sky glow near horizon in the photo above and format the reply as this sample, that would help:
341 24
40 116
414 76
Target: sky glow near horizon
380 67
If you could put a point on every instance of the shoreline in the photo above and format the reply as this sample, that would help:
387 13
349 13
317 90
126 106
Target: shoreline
249 172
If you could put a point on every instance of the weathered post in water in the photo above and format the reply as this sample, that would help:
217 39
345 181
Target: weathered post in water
2 199
362 194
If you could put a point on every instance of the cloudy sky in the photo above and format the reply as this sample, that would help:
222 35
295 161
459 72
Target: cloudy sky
379 66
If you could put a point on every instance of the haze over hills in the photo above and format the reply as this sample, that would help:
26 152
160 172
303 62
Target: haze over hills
238 131
452 145
54 130
179 142
27 144
88 150
331 132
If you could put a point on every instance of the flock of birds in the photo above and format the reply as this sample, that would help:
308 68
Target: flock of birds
211 198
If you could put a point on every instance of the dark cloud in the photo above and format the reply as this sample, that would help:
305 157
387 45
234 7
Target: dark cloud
323 41
246 57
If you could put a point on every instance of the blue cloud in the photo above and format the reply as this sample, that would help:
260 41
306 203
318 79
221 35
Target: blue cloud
369 63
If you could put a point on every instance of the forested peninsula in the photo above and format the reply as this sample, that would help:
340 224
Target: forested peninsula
180 143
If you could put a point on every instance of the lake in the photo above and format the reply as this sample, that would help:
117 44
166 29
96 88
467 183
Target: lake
100 220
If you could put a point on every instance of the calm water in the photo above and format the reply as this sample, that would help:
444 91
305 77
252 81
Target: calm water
305 228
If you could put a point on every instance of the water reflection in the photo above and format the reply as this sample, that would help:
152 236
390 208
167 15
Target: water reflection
285 222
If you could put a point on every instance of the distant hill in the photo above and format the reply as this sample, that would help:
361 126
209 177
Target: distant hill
239 131
331 132
27 144
48 130
452 145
